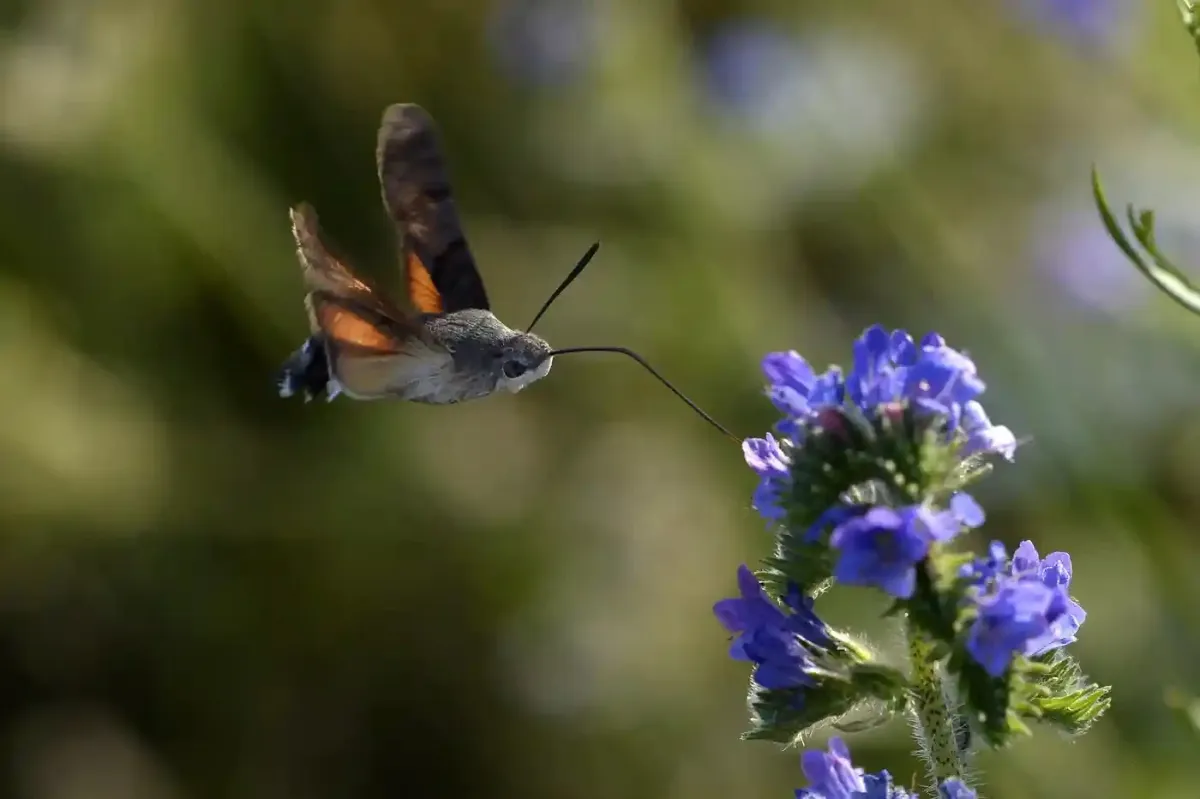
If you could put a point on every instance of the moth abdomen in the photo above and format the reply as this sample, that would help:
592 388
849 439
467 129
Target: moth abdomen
306 371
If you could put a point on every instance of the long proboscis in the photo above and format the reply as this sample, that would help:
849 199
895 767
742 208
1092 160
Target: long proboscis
579 267
661 379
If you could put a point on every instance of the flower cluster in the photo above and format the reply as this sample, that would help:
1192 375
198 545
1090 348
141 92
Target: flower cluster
1026 609
863 483
892 377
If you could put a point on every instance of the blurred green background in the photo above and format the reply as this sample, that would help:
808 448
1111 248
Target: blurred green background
206 591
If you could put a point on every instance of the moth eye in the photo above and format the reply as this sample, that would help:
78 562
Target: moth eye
513 369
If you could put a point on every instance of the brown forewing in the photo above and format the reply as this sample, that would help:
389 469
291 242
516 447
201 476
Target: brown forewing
325 272
371 345
442 275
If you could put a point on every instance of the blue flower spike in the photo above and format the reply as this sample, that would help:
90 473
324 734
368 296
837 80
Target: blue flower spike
863 484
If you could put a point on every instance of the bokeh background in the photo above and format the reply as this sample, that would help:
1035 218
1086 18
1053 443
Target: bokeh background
206 591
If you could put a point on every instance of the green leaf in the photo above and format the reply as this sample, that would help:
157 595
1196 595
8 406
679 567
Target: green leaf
936 604
863 725
1151 262
1187 12
1186 705
1075 712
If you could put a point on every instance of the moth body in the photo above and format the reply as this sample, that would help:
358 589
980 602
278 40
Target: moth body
487 354
471 354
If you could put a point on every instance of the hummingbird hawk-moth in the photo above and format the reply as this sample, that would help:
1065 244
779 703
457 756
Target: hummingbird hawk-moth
450 347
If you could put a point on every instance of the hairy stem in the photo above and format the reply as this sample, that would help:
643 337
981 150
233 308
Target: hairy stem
933 717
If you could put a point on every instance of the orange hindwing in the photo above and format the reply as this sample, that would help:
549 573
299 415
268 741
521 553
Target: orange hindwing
421 290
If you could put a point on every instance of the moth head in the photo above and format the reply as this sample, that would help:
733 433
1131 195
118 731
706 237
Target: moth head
521 360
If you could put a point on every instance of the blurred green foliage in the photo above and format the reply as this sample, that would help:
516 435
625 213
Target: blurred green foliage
206 591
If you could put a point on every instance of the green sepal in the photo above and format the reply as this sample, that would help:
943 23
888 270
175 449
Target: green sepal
785 715
935 606
987 701
1050 689
807 564
1065 698
862 725
971 469
894 458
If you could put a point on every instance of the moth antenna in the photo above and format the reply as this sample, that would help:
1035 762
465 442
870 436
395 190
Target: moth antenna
653 371
579 267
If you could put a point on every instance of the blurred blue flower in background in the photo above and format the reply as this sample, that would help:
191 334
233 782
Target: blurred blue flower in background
546 43
827 107
750 67
760 75
1085 23
1074 251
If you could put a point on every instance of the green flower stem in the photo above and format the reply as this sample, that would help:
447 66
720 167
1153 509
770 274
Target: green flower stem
933 717
1191 22
1157 267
